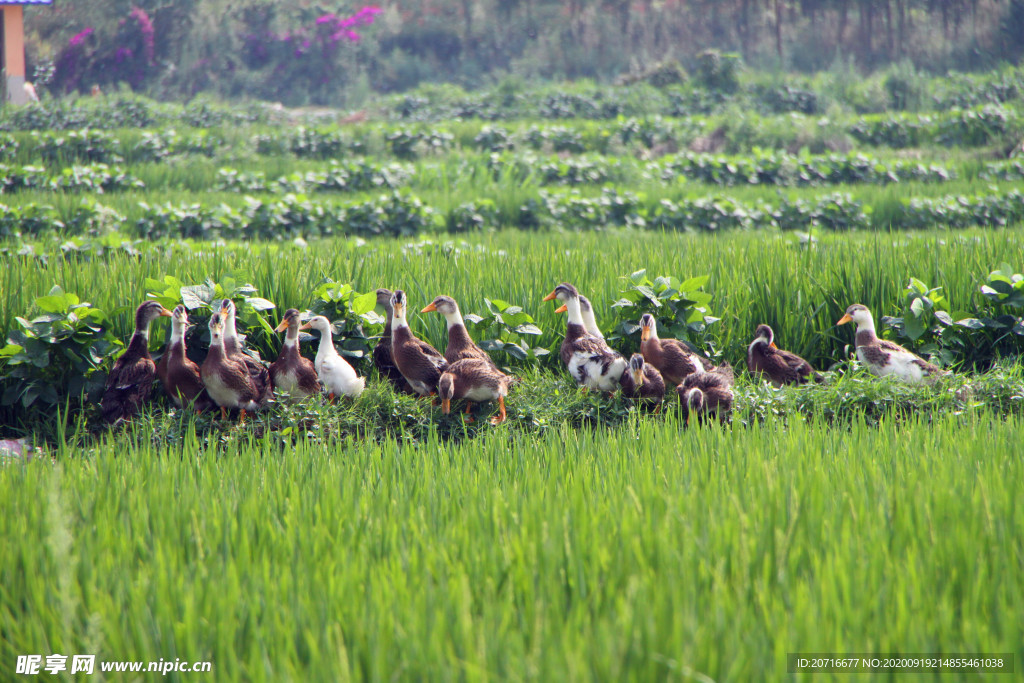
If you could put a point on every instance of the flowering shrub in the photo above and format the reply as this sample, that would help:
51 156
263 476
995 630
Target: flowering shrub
90 59
306 63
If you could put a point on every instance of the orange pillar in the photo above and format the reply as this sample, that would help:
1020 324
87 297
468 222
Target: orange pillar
14 53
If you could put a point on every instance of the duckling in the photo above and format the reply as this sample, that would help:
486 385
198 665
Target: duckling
382 358
780 367
460 344
227 379
672 358
337 376
131 379
233 345
882 357
707 393
291 372
591 362
419 362
177 372
642 381
473 379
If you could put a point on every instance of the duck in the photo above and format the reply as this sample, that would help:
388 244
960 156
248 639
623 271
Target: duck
642 381
226 378
419 362
474 379
292 373
589 321
233 345
707 393
382 358
131 379
779 366
178 373
882 357
674 360
460 344
338 377
591 362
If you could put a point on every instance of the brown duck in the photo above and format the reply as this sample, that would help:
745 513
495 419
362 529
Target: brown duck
460 344
419 362
672 358
382 357
642 381
708 393
780 367
227 379
233 345
131 379
474 379
292 373
177 372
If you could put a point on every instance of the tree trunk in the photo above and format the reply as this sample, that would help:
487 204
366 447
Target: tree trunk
778 29
844 6
889 39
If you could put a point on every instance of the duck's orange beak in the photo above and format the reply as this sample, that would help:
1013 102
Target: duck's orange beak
845 319
164 313
562 309
772 345
429 308
550 296
645 333
305 326
446 405
282 327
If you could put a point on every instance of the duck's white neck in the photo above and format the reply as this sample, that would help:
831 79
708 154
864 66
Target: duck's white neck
398 322
454 319
291 336
326 341
590 322
177 332
654 332
758 341
865 323
574 312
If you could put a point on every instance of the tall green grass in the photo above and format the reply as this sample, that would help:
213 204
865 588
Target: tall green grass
755 278
642 553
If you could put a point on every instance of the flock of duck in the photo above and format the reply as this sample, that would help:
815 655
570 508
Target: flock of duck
232 379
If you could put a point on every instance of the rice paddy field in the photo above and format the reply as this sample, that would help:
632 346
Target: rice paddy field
586 538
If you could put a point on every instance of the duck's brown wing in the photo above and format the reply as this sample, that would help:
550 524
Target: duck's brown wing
802 368
471 373
259 375
385 364
419 362
473 352
679 361
184 379
128 386
783 367
654 383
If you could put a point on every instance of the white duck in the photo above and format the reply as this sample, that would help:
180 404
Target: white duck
882 357
334 372
591 362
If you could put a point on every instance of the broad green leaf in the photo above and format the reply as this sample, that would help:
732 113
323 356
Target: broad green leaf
259 303
364 303
53 303
693 283
527 329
